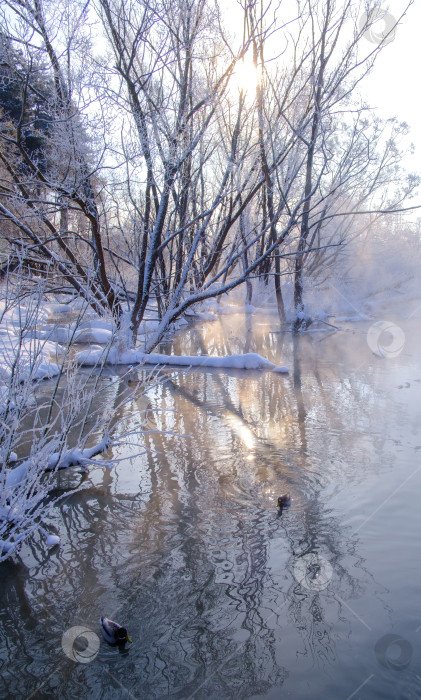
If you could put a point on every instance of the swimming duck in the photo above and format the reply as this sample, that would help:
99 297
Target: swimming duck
112 632
284 500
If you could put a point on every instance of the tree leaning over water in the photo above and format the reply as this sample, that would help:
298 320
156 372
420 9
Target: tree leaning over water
161 180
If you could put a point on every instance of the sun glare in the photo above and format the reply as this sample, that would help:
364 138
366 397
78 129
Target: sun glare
242 431
245 77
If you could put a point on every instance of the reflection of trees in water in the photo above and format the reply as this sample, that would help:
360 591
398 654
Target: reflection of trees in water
198 564
317 531
16 610
221 624
316 613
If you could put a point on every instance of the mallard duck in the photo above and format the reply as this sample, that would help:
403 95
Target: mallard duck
284 500
112 632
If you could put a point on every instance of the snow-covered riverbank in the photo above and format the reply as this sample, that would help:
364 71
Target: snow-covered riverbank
32 346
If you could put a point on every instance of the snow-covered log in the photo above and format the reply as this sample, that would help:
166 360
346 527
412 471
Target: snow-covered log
250 360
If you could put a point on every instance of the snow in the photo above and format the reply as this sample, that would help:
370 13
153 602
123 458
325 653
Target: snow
34 358
15 476
54 309
52 540
6 547
62 335
22 511
5 513
83 333
76 456
22 315
22 355
251 360
94 335
58 460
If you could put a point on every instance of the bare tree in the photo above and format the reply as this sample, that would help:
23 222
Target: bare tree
190 185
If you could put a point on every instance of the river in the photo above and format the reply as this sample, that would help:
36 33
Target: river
222 595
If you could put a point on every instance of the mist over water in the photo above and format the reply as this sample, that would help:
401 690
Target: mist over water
374 275
223 596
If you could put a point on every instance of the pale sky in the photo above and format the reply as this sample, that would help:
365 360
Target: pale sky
394 88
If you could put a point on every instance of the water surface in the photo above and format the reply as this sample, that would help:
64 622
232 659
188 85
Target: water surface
223 596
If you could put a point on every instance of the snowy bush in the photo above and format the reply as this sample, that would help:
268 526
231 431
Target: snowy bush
63 422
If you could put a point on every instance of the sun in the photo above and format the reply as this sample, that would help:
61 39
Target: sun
245 77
